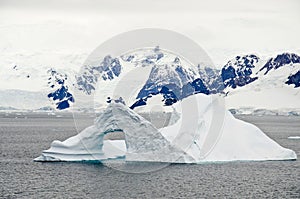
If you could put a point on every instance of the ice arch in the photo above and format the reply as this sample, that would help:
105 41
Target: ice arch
143 142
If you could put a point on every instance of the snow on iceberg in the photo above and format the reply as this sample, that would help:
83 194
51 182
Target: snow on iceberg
199 134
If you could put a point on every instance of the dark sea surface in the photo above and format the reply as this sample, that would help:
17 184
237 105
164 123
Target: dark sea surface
24 136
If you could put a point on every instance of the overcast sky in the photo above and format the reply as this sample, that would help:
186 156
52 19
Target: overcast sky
223 28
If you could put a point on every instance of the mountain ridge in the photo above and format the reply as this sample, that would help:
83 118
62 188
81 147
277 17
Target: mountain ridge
174 78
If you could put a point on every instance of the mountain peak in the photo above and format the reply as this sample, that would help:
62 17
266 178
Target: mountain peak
294 79
238 71
108 69
280 60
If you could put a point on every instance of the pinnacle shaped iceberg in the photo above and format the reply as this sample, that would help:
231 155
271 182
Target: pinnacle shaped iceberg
200 131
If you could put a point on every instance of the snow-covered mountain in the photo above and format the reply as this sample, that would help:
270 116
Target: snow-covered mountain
169 75
239 71
279 61
108 69
59 92
294 79
246 69
273 85
171 80
245 81
31 88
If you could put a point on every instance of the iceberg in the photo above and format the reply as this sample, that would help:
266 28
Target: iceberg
294 137
198 132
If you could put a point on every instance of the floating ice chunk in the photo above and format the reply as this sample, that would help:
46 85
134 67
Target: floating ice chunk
294 137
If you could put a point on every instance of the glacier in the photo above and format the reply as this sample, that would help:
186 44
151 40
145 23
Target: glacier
199 132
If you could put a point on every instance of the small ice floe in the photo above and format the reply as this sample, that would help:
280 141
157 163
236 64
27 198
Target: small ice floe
51 113
294 137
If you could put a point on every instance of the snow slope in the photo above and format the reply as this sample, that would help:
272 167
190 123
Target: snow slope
269 91
30 88
23 100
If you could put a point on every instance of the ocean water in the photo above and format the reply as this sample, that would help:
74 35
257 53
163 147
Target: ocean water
24 136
